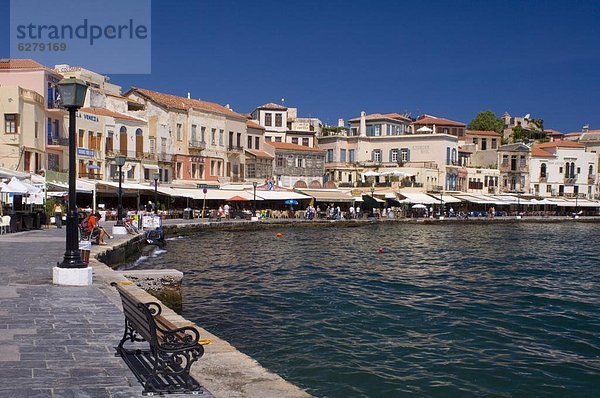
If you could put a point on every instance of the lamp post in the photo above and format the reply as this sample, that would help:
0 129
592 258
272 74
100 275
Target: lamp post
156 177
119 228
254 184
373 196
519 205
576 206
72 97
204 191
442 204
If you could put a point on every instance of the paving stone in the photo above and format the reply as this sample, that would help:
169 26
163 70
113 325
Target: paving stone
81 393
25 393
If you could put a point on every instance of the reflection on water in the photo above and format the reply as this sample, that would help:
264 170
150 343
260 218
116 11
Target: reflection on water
444 310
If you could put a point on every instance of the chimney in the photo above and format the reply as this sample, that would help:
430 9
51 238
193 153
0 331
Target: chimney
189 95
340 122
363 124
434 132
585 128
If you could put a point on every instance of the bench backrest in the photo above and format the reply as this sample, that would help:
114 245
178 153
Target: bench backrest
140 315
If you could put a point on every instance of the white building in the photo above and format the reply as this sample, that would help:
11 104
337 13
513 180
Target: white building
563 168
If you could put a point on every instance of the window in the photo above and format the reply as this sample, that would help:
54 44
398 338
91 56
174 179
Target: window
299 162
268 138
494 143
342 155
202 134
194 127
179 170
351 155
483 144
280 160
548 188
277 139
80 138
543 170
394 155
447 155
590 170
475 140
152 146
513 162
213 137
377 155
249 142
10 123
256 142
179 138
146 174
221 135
49 127
405 154
560 169
305 142
131 172
56 129
295 140
278 120
454 162
35 129
579 170
194 171
268 119
329 155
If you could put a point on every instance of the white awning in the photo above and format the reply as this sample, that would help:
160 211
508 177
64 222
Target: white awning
417 197
446 198
327 195
280 195
150 166
473 198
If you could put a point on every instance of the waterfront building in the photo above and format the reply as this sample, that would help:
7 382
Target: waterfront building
296 165
513 163
31 75
385 142
105 129
194 141
259 163
22 139
282 124
438 125
563 168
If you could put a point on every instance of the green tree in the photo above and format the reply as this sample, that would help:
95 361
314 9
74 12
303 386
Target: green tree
486 120
518 134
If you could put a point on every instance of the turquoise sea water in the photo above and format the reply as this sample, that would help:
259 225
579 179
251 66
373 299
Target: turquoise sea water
444 311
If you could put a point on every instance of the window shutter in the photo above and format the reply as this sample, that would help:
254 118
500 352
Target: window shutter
373 155
391 150
407 155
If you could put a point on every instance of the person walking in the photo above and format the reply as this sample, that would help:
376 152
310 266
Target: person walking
58 215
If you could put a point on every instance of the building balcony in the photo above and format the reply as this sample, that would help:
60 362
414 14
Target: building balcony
131 155
196 144
235 148
591 179
58 141
570 180
544 179
90 176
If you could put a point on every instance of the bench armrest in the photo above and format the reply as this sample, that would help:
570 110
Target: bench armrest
180 339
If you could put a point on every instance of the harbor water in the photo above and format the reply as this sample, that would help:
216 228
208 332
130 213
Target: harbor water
393 310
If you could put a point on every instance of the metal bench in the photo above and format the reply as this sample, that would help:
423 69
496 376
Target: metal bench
165 366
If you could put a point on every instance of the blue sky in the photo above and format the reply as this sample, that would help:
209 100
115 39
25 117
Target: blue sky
335 58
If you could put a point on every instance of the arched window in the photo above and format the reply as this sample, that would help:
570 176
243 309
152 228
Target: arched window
139 143
453 155
590 170
447 155
543 170
572 169
137 132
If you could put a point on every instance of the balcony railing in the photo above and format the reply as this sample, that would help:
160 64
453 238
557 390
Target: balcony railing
591 179
570 180
62 141
91 176
196 144
544 179
129 154
235 148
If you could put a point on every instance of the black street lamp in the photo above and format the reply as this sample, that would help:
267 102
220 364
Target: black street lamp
442 204
254 184
156 177
72 97
120 161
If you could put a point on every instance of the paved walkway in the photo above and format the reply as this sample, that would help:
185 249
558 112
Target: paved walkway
55 341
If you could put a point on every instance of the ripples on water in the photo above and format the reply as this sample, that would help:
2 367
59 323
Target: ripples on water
445 310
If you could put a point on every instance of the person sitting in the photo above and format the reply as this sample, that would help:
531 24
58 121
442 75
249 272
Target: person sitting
94 229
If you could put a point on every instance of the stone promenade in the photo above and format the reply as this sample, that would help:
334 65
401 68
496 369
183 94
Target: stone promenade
58 341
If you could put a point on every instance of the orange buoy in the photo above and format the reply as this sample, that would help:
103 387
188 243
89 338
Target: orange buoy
278 234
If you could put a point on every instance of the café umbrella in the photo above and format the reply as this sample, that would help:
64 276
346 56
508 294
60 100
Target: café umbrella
419 206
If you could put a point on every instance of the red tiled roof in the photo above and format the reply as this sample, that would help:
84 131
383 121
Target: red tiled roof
272 105
561 144
490 133
24 64
575 134
376 116
171 101
538 152
294 147
108 112
254 125
260 154
438 121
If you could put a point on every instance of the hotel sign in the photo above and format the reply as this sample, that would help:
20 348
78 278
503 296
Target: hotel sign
87 117
86 152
